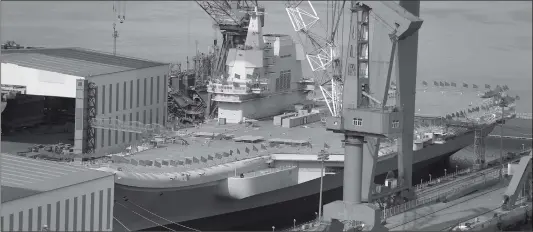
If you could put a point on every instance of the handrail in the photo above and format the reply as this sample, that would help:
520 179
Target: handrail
267 171
474 224
299 227
494 174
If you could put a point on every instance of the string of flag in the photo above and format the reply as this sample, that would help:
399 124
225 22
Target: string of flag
464 85
192 160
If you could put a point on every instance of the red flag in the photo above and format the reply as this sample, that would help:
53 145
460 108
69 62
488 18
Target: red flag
254 148
247 150
238 151
263 147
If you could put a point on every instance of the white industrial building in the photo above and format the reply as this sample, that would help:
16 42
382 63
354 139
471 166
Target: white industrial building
105 86
60 197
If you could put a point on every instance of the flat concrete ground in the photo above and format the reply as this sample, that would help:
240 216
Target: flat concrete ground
440 216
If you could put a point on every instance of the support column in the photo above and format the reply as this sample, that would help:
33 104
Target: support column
407 59
80 121
353 168
479 148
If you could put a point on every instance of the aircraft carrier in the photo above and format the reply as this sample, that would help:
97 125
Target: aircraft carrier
261 150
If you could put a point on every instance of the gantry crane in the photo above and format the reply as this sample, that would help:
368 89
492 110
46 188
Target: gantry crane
231 17
358 93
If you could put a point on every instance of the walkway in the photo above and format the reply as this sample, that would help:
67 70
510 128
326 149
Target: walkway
439 216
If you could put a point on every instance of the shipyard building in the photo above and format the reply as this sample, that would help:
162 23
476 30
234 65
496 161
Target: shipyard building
75 87
40 195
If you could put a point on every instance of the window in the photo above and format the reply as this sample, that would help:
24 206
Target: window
157 92
151 90
109 136
237 76
137 120
131 94
124 97
110 98
103 99
151 113
131 114
284 80
102 141
157 115
116 133
165 86
395 124
357 122
144 89
116 106
123 132
144 116
138 91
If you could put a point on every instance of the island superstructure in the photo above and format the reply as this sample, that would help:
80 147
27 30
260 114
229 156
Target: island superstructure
239 163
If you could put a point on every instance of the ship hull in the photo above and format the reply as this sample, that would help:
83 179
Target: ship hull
201 208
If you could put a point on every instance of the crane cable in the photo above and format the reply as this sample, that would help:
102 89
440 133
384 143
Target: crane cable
150 212
122 224
138 214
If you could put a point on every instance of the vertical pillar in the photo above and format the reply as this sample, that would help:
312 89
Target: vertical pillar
1 163
80 121
479 148
407 58
353 168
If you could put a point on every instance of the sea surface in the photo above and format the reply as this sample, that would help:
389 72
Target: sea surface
475 42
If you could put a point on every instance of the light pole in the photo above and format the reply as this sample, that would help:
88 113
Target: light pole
294 223
273 228
456 167
316 215
523 147
429 178
322 156
445 172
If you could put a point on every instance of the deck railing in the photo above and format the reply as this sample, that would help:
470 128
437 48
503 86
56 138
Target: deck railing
497 217
267 171
492 175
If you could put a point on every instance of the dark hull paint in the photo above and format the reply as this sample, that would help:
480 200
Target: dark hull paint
281 215
200 207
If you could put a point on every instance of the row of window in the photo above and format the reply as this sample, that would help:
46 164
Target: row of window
359 122
65 215
284 81
148 99
150 119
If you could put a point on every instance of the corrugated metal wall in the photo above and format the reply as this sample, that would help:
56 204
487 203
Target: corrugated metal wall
92 211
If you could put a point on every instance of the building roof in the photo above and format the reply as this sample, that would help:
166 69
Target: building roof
24 177
74 61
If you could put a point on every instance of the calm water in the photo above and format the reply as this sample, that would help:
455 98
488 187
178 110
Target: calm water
474 42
